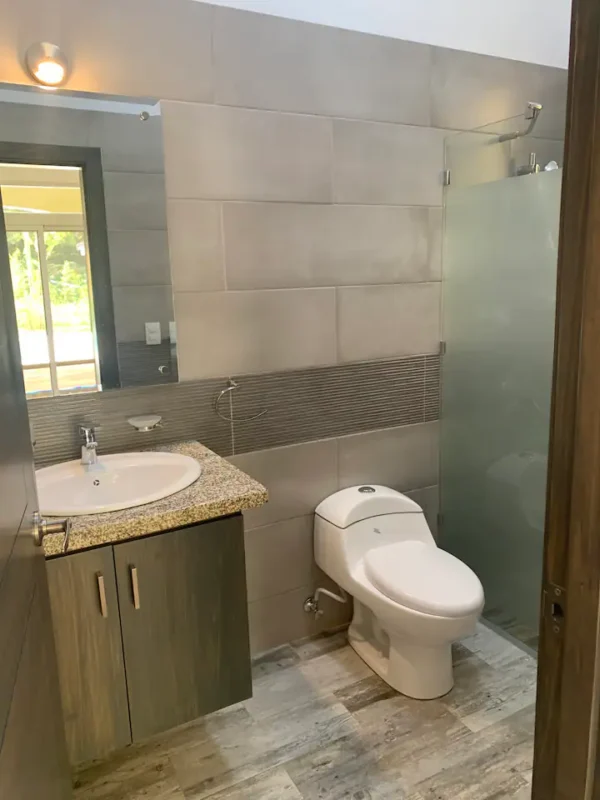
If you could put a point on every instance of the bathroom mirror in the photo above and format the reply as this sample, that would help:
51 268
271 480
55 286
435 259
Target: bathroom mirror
83 195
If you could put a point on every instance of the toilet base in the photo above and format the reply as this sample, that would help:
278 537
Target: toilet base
415 670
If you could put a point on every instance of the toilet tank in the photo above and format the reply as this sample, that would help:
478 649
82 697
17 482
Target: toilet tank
355 520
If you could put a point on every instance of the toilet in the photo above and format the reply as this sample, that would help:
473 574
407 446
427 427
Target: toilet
411 599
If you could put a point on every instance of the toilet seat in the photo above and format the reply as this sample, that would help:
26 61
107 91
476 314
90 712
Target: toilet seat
424 578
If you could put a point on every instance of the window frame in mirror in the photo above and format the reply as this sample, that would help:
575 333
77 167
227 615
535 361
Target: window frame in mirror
89 160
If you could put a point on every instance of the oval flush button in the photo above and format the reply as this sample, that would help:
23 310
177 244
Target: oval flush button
366 489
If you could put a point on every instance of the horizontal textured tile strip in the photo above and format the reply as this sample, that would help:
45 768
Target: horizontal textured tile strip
303 405
320 403
433 383
187 410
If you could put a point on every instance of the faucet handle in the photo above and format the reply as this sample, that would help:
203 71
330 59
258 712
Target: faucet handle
88 432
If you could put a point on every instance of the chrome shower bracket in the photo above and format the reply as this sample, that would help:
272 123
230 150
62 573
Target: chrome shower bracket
532 113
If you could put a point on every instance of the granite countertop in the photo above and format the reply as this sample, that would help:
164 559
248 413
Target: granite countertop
220 490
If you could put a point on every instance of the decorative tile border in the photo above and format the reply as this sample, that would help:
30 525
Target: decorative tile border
301 405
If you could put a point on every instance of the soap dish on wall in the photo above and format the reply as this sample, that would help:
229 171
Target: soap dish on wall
147 422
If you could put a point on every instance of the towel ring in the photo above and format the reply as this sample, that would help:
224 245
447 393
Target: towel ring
231 387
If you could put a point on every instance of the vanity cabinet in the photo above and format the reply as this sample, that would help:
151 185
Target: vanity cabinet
87 632
185 624
150 634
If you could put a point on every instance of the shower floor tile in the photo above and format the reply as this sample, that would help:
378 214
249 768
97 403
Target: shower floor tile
322 726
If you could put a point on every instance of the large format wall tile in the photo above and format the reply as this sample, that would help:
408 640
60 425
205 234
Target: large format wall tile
387 164
128 143
139 258
403 458
136 305
221 333
276 620
196 245
135 201
280 245
279 557
215 153
270 62
388 321
297 478
141 48
470 90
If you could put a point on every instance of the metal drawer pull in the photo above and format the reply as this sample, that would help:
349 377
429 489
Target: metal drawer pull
102 594
135 587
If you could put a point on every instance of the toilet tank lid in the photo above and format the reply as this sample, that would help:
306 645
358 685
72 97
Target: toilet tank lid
363 502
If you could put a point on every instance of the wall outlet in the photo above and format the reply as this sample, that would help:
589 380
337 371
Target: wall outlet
152 332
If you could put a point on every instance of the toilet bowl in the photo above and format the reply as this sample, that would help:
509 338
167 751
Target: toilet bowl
411 599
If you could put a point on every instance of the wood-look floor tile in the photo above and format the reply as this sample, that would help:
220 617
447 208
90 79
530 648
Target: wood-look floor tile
364 693
483 695
272 785
274 661
320 645
271 743
155 779
322 726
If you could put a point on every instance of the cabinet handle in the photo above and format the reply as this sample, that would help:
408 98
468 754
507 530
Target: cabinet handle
102 594
135 587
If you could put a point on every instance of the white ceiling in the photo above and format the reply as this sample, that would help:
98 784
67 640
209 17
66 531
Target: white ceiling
526 30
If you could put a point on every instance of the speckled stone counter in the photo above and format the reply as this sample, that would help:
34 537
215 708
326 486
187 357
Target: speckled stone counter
220 490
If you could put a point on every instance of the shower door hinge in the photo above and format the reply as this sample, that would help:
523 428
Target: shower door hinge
442 348
446 177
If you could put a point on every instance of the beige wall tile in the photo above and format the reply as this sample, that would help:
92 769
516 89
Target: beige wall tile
280 619
429 500
279 557
403 458
196 245
470 90
214 152
224 333
128 143
135 305
135 201
139 258
297 477
142 48
388 321
279 245
436 243
387 164
270 62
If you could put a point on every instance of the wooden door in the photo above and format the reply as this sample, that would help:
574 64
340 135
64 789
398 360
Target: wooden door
185 624
87 630
33 760
566 764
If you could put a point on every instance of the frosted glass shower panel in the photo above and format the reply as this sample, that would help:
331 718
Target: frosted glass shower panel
500 254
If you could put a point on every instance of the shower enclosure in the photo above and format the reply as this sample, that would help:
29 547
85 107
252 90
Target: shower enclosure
501 215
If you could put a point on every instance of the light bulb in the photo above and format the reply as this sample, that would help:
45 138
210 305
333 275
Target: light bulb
50 72
47 64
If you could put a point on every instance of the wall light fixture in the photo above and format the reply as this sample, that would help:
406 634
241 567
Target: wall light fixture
47 64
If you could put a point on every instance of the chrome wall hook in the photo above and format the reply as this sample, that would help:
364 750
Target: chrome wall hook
231 387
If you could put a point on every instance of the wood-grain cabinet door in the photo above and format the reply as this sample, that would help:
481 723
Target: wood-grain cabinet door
185 624
87 629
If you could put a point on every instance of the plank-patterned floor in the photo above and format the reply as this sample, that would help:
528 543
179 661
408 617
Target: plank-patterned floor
322 725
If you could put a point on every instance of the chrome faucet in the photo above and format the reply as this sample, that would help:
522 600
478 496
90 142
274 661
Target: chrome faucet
89 448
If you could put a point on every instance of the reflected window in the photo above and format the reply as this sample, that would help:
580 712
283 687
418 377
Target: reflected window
52 287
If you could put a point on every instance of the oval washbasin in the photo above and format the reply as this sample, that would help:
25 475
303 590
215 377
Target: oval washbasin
117 481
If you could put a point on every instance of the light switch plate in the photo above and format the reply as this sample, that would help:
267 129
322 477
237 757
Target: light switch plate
152 332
